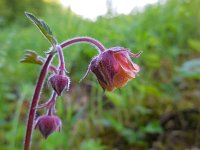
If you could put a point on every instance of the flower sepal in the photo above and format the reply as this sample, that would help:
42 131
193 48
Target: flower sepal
59 83
48 124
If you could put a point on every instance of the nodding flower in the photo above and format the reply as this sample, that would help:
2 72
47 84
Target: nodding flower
59 83
114 68
48 124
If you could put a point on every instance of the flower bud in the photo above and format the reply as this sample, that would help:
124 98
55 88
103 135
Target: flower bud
114 68
48 124
59 83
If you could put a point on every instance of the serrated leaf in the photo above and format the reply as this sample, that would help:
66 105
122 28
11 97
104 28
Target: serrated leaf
43 27
32 57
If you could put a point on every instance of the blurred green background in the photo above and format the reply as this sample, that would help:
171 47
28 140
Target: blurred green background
158 110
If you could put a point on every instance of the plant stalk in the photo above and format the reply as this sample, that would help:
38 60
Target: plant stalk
35 100
41 79
92 41
61 59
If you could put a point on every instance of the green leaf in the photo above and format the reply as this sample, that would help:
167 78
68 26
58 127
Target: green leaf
32 57
194 44
91 144
153 127
43 27
116 99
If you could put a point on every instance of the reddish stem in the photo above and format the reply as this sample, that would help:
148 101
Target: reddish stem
92 41
41 80
61 59
51 109
34 103
49 102
52 68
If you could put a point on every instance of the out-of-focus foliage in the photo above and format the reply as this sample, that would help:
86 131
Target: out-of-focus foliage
159 109
13 10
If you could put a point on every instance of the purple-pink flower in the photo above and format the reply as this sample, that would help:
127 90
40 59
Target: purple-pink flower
59 83
48 124
114 67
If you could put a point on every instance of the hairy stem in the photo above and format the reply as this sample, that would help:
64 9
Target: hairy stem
61 59
41 80
52 68
35 100
92 41
51 109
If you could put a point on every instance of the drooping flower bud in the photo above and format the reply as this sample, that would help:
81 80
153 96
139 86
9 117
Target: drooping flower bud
48 124
114 67
59 83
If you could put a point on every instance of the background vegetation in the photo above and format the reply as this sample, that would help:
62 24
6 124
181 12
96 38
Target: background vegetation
157 110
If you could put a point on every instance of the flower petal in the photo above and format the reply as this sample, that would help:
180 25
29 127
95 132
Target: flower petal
121 78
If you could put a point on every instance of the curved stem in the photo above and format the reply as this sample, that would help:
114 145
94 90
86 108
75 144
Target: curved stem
48 103
92 41
53 68
35 100
52 109
41 80
61 59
